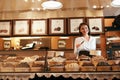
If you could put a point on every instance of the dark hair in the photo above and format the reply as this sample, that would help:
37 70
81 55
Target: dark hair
82 25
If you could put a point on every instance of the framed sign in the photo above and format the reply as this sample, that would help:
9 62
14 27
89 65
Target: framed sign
73 24
61 44
7 44
39 27
57 26
96 25
21 27
5 27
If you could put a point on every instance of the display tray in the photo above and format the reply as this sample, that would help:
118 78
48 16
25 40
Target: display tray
36 69
7 69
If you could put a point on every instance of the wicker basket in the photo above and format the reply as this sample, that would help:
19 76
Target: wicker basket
36 69
22 69
116 68
72 69
103 68
88 68
57 69
53 63
71 61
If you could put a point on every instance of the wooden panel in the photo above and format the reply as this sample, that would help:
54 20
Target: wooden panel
54 42
69 43
103 45
112 33
1 44
108 22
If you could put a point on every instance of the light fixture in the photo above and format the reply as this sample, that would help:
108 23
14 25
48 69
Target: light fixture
51 5
115 3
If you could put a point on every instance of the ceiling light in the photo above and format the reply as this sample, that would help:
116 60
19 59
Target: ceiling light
26 0
52 4
94 6
107 6
115 3
33 1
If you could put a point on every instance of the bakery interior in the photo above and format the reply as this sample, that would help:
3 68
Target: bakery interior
31 46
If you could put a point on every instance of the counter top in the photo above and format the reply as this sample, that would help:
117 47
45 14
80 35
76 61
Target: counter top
74 75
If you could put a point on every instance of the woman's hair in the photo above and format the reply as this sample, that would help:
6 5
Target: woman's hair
82 25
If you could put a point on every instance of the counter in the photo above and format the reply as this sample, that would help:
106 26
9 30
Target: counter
74 75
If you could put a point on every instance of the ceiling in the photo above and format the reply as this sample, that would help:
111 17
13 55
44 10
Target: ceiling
21 5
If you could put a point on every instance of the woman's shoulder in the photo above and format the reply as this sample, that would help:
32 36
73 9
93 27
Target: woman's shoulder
78 37
92 37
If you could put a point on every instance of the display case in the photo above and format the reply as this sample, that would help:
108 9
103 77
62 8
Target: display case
22 61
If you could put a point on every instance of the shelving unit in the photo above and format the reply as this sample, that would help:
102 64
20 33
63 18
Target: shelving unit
113 44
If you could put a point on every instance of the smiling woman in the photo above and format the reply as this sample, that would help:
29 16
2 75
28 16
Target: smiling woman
85 42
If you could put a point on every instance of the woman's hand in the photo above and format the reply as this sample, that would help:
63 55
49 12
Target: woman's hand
77 45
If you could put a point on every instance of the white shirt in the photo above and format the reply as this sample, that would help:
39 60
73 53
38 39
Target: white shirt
86 45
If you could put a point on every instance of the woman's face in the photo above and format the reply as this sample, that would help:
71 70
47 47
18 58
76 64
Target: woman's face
84 29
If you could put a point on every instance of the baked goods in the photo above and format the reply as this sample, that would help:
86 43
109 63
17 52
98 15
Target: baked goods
72 67
71 61
70 56
7 67
103 66
96 59
37 66
50 54
84 58
22 67
56 68
88 66
3 57
56 61
116 67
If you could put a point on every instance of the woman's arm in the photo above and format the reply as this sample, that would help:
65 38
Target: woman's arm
77 44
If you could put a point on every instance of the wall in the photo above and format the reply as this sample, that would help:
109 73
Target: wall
50 14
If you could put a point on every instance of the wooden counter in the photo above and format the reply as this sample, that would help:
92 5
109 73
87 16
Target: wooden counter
74 75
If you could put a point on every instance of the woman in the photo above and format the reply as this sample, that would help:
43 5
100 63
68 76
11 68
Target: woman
85 42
